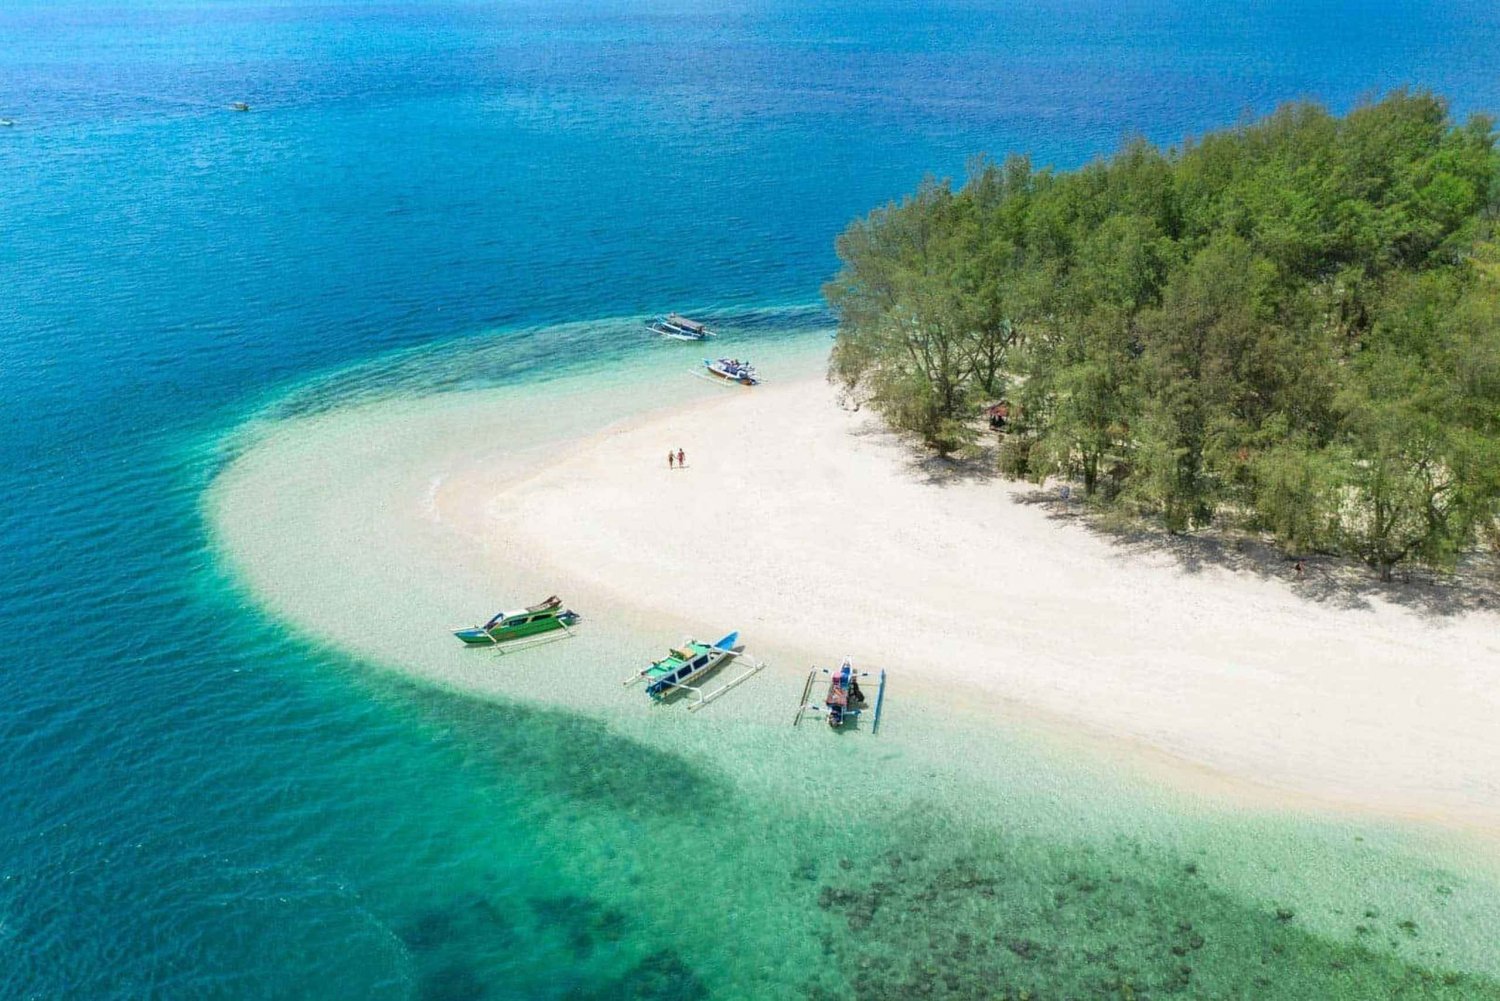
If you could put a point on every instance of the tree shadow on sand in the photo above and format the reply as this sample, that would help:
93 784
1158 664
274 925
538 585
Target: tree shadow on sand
977 465
1335 581
1326 579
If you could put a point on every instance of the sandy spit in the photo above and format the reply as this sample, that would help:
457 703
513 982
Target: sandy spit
835 538
378 528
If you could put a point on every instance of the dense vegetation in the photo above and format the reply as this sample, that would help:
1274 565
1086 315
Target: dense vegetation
1293 325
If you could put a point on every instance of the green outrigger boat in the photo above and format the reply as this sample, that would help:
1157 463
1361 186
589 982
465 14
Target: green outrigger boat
520 624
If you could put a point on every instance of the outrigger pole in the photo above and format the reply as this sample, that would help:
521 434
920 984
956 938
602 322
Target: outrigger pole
721 382
802 702
527 642
704 698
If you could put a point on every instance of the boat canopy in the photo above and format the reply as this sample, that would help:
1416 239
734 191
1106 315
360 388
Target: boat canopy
550 604
679 320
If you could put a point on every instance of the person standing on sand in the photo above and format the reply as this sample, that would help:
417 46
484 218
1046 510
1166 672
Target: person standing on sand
681 459
670 457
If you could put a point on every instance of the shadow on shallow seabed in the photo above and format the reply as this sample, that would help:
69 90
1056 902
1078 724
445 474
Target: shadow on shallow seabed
910 904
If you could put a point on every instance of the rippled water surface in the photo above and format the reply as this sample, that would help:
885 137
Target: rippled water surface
198 804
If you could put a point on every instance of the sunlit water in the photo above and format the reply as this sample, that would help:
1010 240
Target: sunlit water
198 803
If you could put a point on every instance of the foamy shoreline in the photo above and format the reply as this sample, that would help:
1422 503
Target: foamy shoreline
836 540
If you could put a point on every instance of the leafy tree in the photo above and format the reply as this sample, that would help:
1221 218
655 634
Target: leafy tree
925 329
1293 325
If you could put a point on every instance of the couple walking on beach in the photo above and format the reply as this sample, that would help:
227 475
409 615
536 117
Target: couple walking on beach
676 460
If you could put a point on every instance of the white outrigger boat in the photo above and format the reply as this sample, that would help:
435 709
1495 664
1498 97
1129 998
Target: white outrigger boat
732 370
689 662
677 326
845 700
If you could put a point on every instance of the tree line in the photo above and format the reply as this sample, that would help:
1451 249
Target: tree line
1292 325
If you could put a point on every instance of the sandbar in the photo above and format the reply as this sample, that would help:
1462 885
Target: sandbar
803 523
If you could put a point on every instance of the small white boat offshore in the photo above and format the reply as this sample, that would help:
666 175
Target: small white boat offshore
239 106
6 123
677 326
732 370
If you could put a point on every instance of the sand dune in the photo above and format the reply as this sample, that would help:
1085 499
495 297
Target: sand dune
833 538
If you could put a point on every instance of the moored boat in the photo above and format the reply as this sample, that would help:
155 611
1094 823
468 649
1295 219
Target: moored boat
844 696
533 620
844 699
684 663
688 663
678 326
732 370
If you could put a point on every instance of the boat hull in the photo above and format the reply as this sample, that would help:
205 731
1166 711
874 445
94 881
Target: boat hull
666 327
666 676
734 377
480 636
677 335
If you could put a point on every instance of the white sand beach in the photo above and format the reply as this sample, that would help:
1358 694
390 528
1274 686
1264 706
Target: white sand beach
833 537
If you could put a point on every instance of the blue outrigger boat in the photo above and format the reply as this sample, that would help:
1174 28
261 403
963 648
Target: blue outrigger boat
845 700
689 662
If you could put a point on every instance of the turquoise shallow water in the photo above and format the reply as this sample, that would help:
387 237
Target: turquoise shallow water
199 805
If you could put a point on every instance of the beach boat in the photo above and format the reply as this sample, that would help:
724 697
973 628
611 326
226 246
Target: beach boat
680 327
844 696
732 370
521 623
688 663
844 700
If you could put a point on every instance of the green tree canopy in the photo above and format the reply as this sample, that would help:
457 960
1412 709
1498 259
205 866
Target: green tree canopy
1294 324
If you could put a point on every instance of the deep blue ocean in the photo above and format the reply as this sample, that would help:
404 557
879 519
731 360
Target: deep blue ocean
195 804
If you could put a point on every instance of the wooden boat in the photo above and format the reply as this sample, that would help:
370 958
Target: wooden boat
732 370
680 327
844 696
844 700
521 623
689 662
